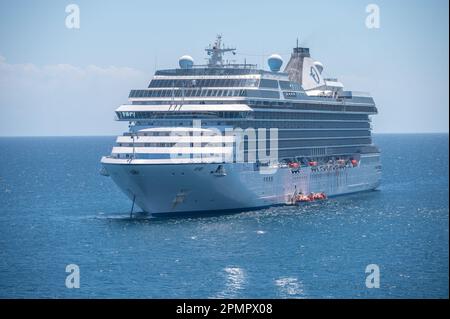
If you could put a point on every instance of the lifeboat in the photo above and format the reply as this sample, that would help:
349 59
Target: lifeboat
310 197
319 196
294 165
312 163
354 162
303 198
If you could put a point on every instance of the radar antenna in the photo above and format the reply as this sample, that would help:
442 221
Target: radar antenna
216 52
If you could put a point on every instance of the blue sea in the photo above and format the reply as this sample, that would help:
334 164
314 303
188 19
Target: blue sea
56 210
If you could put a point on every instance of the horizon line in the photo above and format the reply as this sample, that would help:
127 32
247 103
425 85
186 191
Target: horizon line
114 135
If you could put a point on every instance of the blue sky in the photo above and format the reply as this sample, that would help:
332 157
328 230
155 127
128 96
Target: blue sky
60 81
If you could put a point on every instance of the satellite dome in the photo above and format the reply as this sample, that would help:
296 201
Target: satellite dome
319 66
186 62
275 61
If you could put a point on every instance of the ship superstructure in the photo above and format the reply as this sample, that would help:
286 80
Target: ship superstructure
226 136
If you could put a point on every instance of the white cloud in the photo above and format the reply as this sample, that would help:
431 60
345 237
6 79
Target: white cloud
63 99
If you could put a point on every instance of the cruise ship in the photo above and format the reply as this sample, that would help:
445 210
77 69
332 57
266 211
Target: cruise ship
223 136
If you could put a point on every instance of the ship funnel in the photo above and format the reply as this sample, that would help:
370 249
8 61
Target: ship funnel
303 69
319 66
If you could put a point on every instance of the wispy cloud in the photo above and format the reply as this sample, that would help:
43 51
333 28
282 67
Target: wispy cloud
63 99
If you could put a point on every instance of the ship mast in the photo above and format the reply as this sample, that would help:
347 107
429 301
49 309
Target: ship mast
216 52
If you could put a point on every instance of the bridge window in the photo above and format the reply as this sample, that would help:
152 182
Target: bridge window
265 83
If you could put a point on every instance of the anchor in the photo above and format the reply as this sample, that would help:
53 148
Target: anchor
132 207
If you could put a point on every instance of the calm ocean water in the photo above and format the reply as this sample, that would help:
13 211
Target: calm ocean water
57 210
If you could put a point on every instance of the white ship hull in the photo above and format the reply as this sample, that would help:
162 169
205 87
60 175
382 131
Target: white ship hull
187 188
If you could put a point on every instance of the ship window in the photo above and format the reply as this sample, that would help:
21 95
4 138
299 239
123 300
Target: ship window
273 84
209 92
286 85
288 95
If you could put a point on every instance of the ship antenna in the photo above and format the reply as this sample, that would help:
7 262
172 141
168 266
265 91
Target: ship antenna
216 52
